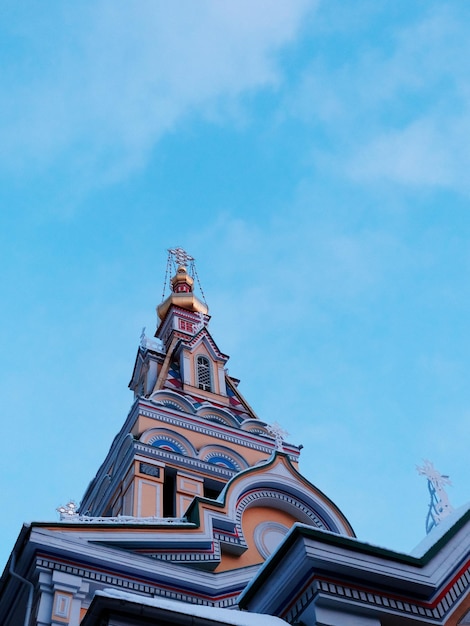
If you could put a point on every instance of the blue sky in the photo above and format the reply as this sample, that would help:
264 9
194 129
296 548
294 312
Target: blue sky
313 156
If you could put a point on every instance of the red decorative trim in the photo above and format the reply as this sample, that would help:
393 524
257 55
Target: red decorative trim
154 583
429 605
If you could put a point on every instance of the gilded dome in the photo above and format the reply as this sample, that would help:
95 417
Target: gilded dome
182 296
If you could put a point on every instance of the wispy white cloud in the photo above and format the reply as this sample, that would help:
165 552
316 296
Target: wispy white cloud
428 79
399 110
419 154
102 82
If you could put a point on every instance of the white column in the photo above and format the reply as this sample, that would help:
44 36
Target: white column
44 609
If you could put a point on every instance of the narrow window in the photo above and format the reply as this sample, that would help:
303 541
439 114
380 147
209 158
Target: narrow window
203 369
169 493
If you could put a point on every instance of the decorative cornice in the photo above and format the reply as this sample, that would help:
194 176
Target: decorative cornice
245 438
425 589
181 555
131 583
431 611
123 520
184 461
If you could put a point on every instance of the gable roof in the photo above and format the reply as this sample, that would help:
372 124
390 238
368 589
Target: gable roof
328 569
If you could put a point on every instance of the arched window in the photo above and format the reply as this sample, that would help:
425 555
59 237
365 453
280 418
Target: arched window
203 372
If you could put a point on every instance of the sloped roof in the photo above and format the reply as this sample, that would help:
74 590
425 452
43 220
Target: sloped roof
317 568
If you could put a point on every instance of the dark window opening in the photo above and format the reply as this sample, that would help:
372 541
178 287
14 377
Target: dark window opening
169 493
212 488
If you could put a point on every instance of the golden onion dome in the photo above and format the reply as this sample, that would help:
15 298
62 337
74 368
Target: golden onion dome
182 296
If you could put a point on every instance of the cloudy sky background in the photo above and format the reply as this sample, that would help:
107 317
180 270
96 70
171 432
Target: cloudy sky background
313 156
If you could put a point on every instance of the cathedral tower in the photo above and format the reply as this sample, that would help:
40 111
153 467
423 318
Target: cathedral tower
195 493
188 440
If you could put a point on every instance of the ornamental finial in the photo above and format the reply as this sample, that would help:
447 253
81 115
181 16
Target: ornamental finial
278 433
69 511
180 256
439 506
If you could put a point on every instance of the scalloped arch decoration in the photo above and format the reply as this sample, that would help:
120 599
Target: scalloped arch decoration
170 445
168 440
220 416
223 456
172 400
256 427
272 498
217 418
222 460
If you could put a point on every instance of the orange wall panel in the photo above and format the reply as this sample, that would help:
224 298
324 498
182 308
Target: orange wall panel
251 518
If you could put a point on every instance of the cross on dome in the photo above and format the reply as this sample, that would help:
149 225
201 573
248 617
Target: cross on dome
180 256
278 433
439 505
433 475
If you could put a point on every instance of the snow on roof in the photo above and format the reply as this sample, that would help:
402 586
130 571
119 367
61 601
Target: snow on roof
231 617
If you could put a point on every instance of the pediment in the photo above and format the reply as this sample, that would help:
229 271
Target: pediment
204 337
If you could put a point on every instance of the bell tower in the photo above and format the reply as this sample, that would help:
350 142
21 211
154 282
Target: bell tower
195 493
189 430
